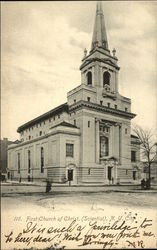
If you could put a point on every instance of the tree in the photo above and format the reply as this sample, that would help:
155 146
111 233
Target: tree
147 146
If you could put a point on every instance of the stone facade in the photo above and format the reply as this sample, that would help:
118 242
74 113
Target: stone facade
88 139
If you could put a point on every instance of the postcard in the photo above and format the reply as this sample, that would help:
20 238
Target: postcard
78 146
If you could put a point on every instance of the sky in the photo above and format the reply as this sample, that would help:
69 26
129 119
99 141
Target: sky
42 48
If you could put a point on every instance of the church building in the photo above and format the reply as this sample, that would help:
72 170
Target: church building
87 140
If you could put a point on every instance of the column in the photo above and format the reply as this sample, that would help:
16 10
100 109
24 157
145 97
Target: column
111 141
116 81
101 77
93 77
23 162
115 173
97 141
120 143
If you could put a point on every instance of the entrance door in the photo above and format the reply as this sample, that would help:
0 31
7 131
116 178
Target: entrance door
134 175
8 175
109 173
70 174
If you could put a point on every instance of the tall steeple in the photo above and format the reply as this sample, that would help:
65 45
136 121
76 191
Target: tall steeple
99 33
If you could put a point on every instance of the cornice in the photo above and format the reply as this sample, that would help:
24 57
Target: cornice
107 61
84 104
61 108
59 131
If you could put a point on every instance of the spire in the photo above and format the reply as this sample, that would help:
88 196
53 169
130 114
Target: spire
99 32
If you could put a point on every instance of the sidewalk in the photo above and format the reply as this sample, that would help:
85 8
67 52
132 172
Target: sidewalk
32 187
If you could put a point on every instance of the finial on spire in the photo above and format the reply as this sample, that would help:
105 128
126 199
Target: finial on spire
114 52
99 33
85 52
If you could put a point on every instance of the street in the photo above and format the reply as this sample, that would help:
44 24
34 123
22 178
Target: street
22 204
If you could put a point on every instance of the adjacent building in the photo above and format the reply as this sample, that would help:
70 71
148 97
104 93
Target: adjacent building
4 143
86 140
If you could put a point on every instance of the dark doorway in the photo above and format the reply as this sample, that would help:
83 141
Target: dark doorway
70 174
8 175
29 178
109 173
134 175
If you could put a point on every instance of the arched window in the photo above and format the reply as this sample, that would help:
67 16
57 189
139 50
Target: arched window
104 146
106 78
89 78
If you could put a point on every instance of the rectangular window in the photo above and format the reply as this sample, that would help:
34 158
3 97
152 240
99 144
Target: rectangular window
88 99
42 160
133 156
69 150
126 131
126 109
108 104
40 133
58 116
101 102
88 124
115 106
19 163
75 122
29 161
89 171
74 100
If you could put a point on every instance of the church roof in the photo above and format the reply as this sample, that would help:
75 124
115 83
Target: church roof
99 33
61 108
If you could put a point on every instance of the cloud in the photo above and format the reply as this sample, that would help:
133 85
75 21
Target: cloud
42 49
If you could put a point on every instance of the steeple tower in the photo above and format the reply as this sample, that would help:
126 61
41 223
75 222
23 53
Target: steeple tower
99 33
99 69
